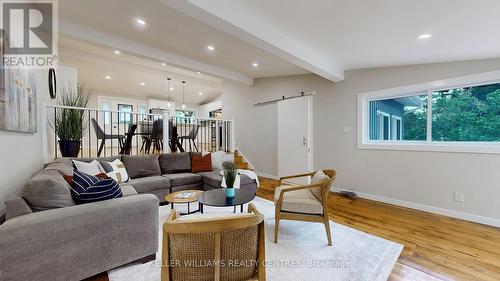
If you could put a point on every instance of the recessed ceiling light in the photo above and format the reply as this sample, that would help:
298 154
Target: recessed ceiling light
143 84
199 73
107 77
255 64
200 93
211 48
425 36
116 52
140 21
171 88
163 63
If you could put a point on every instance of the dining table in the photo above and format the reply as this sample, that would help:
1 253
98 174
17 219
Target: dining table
144 129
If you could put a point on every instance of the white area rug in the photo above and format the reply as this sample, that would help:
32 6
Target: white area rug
302 252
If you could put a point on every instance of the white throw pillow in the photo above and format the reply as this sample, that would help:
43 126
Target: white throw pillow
218 158
119 173
318 177
93 168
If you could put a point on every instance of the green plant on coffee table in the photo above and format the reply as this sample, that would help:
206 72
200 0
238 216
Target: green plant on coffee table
230 172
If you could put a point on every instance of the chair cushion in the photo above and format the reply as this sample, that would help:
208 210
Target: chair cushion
175 163
298 201
318 177
183 179
201 163
143 185
140 166
88 188
47 190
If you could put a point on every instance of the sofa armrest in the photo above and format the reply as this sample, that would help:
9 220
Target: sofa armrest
74 243
15 207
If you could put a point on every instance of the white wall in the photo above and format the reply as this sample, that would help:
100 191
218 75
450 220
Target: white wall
22 154
204 109
427 178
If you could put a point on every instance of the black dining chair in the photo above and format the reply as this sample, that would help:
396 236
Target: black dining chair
156 137
191 137
127 147
101 135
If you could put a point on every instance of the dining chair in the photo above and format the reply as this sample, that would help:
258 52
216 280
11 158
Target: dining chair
214 241
307 202
101 135
191 137
127 146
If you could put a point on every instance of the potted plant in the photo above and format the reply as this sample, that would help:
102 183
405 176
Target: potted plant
69 124
230 173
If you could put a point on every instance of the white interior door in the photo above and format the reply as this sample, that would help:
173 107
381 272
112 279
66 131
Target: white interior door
295 136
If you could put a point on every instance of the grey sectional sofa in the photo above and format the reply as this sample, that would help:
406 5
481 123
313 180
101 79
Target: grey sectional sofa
48 237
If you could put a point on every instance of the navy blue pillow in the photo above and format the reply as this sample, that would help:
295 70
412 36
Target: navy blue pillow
87 188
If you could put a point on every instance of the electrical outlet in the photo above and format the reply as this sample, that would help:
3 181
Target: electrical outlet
459 196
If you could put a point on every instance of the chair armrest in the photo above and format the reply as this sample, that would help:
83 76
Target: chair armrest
295 176
298 187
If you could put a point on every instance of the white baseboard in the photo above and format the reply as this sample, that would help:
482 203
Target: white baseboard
430 209
268 176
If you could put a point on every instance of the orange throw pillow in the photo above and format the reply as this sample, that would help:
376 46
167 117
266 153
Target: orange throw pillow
201 164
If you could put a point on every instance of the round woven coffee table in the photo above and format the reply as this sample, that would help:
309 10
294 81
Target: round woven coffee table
176 197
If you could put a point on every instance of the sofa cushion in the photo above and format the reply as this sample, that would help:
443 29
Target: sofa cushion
183 179
63 165
140 166
87 188
147 184
299 201
47 190
127 189
215 179
201 163
175 163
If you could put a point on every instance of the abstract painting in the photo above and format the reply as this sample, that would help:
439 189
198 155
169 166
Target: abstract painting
17 99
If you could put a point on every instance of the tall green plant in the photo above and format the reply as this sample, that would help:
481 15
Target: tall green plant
230 172
70 124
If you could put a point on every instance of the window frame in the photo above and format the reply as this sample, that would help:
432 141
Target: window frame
363 101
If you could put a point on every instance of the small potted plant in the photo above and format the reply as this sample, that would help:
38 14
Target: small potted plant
230 172
69 124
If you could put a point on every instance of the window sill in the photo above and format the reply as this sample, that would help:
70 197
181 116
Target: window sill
452 147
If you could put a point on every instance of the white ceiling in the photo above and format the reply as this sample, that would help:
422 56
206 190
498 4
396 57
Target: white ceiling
168 31
363 34
288 37
127 72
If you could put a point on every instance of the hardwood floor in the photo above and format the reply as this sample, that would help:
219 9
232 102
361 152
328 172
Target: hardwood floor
435 247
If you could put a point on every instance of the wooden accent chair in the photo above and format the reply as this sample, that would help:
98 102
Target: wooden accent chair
303 202
214 247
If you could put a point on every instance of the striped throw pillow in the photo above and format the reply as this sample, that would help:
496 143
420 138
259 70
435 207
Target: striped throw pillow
87 188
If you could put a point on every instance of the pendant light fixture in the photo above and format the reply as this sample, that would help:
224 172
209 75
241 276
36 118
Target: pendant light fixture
168 91
183 95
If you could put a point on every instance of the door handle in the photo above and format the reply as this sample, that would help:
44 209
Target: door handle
304 141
